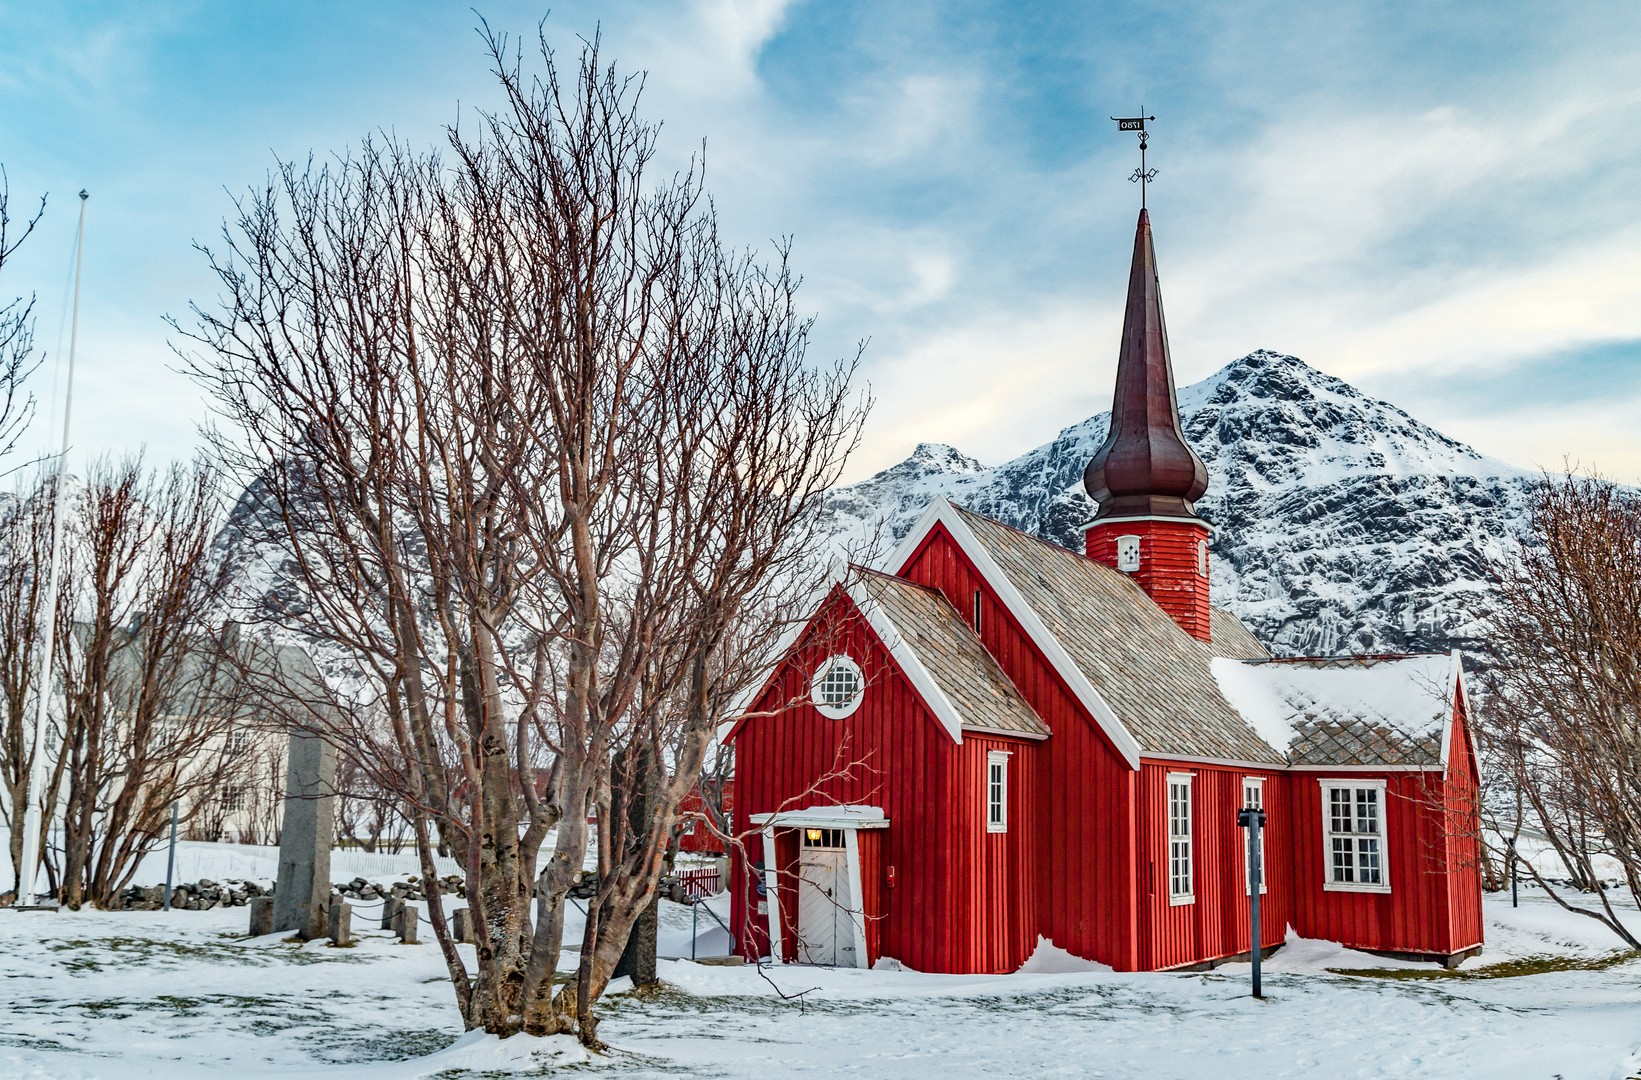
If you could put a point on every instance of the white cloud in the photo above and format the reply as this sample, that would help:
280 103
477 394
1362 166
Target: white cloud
707 52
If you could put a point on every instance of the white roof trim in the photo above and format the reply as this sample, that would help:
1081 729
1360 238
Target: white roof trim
942 512
909 664
1091 522
824 817
1458 683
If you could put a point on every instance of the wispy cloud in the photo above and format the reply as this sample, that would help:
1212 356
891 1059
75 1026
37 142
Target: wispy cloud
1407 196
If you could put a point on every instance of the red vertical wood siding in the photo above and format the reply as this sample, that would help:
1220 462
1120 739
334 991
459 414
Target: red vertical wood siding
996 871
786 857
892 753
1082 791
1168 566
1417 914
1215 923
874 884
1463 835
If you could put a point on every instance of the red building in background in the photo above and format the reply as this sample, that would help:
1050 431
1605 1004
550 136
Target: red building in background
998 741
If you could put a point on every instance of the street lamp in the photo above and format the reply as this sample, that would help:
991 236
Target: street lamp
1253 821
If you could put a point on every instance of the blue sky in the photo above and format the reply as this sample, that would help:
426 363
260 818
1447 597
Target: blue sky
1438 202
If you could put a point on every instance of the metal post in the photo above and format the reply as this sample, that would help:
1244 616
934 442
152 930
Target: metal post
1253 821
694 919
32 825
171 859
1514 899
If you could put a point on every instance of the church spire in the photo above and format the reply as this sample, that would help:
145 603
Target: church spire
1144 476
1145 468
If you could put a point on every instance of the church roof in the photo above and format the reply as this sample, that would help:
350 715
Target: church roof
950 653
1348 710
1154 676
1231 639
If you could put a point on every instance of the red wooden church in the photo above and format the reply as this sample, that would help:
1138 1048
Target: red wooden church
997 740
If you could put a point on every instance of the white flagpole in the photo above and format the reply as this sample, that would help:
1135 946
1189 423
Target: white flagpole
31 819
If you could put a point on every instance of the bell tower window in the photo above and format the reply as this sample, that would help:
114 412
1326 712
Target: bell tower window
1128 554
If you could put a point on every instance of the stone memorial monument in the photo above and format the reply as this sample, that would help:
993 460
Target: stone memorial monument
303 893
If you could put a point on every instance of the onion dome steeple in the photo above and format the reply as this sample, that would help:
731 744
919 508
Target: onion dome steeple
1145 476
1145 468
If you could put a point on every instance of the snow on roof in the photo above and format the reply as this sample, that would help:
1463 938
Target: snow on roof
1345 710
829 817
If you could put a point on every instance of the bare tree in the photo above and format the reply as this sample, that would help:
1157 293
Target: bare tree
16 332
532 447
25 547
1562 725
149 697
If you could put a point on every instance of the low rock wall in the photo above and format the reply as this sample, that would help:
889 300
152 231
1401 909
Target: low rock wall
205 894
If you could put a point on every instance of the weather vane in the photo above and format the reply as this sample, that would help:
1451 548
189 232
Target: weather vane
1142 176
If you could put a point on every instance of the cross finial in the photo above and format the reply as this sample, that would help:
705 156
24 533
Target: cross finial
1142 176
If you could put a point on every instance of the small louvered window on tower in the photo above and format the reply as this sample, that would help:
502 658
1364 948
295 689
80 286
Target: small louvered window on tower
1128 554
1202 557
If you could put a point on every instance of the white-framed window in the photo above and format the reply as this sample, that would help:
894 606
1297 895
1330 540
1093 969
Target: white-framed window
997 791
240 742
233 798
1202 557
1128 554
1354 851
838 687
1253 798
1181 886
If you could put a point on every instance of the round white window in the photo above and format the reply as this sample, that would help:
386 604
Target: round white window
838 687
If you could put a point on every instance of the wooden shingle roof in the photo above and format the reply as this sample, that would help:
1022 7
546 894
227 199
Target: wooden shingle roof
951 653
1231 639
1154 676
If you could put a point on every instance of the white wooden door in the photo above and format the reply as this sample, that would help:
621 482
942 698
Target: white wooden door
825 929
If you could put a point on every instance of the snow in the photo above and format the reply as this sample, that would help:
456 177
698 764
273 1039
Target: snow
1408 696
184 995
198 859
1049 959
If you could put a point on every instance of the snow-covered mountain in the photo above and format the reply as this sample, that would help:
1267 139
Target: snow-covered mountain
1342 524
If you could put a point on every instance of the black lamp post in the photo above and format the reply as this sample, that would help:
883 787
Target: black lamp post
1514 902
1254 821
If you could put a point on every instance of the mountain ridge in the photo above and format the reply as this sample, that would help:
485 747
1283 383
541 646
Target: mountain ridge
1341 523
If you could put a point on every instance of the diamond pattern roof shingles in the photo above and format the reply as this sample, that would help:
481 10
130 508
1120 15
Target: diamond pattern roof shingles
956 660
1362 710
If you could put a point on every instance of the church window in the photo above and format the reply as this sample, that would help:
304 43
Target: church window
997 791
1253 798
1180 883
838 687
977 611
1353 836
1202 557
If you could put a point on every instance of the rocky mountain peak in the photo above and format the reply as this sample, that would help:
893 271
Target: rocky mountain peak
933 457
1342 524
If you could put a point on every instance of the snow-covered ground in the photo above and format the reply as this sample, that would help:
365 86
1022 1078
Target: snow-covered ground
184 994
